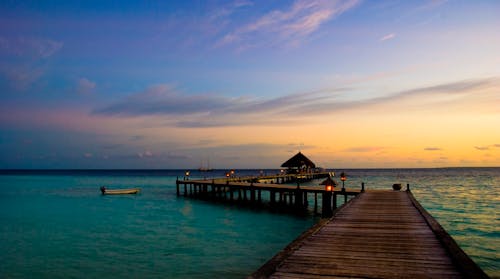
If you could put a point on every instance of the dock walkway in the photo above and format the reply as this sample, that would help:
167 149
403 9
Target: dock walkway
277 195
378 234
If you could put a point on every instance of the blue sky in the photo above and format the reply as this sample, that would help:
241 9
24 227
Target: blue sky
168 84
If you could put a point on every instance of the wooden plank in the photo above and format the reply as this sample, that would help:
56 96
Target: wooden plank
379 234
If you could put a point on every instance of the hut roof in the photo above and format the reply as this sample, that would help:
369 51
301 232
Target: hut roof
298 161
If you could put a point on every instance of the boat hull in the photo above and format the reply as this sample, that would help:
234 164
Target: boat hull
120 191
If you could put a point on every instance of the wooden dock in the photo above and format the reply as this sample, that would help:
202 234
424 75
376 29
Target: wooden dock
245 191
378 234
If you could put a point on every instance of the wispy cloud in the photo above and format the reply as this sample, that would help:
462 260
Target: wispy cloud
166 100
85 86
21 77
145 154
223 12
287 26
211 110
388 37
34 48
24 59
487 147
433 149
364 149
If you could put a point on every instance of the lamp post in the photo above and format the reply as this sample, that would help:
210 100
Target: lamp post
343 177
187 174
327 197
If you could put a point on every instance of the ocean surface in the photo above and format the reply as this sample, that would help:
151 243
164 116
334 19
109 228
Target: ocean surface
56 224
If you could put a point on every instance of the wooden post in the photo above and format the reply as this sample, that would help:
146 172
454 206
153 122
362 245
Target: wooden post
362 186
326 210
177 184
231 194
299 200
306 202
259 196
185 190
408 187
272 196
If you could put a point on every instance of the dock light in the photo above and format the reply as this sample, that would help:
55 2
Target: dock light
232 172
187 174
227 174
343 177
329 184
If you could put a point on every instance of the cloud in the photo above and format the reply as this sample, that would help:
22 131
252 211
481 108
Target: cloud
24 60
387 37
212 110
164 99
33 48
287 26
226 11
21 77
145 154
85 86
364 149
487 147
433 149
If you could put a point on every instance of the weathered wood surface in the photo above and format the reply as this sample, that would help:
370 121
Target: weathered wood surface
379 234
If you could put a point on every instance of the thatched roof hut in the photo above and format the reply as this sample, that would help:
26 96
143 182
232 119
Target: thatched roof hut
299 162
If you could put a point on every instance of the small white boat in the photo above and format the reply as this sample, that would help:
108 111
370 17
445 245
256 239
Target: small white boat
105 191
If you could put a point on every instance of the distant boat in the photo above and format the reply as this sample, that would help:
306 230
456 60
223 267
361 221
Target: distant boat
205 169
105 191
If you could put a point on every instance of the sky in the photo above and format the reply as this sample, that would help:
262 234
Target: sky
247 84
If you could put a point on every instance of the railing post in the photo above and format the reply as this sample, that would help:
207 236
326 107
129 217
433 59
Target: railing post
177 184
326 210
299 199
362 186
408 187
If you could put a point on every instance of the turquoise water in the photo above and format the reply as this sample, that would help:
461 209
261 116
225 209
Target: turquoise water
57 225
